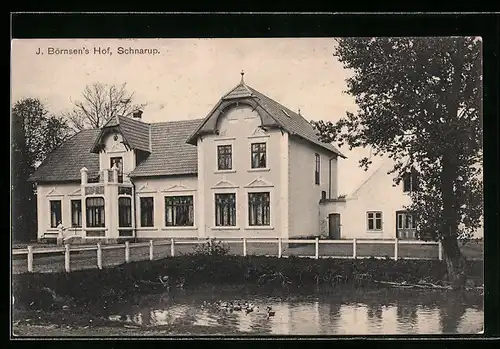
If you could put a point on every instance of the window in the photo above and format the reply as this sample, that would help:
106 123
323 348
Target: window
124 212
76 213
225 210
179 211
147 209
95 212
224 157
258 155
55 213
374 221
407 220
410 181
118 162
258 209
316 170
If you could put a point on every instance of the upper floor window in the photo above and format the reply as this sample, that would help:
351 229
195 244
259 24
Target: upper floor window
224 157
317 169
147 211
258 155
225 209
179 211
410 181
76 213
55 213
258 209
374 220
95 212
118 162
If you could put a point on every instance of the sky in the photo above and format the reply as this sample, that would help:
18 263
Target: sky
185 78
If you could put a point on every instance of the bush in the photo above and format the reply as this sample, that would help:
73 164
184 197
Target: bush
212 247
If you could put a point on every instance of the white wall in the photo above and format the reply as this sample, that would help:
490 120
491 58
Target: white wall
158 188
57 191
239 127
304 193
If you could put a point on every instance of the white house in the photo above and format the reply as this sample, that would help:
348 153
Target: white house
251 167
375 210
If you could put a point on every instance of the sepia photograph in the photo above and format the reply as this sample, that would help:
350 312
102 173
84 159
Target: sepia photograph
246 187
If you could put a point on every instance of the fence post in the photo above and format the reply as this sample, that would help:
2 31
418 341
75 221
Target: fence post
172 248
279 248
244 247
99 255
127 252
30 259
151 256
316 249
440 250
396 249
66 258
354 248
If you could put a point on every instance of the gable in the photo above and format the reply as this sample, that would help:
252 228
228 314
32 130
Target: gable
259 182
177 188
224 184
54 192
145 189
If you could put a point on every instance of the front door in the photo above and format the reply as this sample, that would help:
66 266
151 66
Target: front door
406 226
334 226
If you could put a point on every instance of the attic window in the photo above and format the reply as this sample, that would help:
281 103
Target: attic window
284 112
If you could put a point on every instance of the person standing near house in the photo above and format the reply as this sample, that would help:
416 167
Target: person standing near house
60 235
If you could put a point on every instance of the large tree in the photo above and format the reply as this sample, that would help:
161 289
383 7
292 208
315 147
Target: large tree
99 103
420 103
35 133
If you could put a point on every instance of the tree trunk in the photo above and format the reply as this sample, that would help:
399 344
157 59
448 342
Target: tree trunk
455 263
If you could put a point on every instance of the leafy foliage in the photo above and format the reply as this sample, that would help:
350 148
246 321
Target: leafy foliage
212 247
35 133
419 103
99 103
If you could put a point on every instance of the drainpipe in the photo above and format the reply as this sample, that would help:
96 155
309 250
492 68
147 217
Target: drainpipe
330 178
134 210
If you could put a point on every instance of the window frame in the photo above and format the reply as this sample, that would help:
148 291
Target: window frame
102 214
129 218
143 222
190 210
232 214
227 155
410 181
372 216
264 207
80 215
258 152
317 169
57 219
120 168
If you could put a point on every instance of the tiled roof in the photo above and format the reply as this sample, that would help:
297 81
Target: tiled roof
65 162
275 115
170 155
135 132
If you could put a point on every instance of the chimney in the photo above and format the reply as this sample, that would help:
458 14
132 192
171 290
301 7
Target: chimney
137 114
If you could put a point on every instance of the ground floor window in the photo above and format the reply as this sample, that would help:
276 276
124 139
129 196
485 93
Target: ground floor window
76 213
147 209
124 212
406 225
258 209
225 210
374 220
179 211
55 213
95 212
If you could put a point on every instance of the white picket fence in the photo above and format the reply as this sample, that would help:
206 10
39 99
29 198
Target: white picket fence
278 242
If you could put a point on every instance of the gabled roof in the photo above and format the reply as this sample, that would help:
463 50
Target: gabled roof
65 162
134 132
273 114
170 155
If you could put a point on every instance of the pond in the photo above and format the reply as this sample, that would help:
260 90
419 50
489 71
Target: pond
310 312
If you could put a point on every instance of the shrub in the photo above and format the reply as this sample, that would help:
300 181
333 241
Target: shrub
212 247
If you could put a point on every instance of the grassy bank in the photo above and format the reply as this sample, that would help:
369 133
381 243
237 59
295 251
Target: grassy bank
107 286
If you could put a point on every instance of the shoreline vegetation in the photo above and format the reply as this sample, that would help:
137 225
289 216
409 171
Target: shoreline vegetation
94 287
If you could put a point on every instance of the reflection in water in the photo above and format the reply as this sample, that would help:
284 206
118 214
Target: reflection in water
415 314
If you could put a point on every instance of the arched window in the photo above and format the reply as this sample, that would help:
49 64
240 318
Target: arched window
95 212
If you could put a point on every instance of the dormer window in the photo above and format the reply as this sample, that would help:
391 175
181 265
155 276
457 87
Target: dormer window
118 162
410 181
